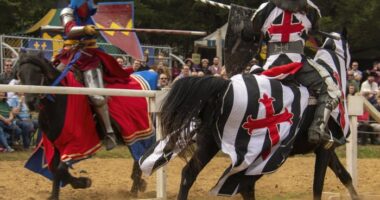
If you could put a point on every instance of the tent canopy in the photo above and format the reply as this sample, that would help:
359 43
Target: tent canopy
210 40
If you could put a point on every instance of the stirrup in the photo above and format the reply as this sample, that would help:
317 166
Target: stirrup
328 144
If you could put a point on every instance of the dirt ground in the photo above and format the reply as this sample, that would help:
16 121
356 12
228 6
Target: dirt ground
111 181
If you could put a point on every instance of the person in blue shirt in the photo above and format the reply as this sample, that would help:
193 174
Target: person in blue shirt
23 118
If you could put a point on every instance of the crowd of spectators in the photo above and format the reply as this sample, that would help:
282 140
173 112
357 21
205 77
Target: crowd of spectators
167 76
366 83
16 123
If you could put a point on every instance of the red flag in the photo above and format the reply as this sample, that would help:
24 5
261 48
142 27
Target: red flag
119 15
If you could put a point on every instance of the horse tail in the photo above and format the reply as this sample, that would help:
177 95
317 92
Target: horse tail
187 103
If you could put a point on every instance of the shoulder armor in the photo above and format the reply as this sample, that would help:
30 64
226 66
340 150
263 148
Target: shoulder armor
67 11
67 15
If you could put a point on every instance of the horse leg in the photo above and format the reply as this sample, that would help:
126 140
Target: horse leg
57 176
247 187
344 177
139 184
206 150
321 162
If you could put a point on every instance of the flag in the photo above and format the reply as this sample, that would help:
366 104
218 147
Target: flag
119 15
41 45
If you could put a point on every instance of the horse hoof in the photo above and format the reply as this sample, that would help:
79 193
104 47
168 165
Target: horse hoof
52 198
134 193
81 183
142 185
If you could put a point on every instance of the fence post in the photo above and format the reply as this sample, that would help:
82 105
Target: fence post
161 173
355 109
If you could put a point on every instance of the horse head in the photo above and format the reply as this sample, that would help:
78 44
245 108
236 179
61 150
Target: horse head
339 47
34 69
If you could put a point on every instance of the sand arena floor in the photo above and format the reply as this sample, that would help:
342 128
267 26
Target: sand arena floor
111 181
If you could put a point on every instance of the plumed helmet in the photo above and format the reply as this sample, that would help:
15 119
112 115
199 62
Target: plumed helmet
84 8
291 5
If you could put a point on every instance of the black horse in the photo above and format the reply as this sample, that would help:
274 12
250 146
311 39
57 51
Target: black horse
34 69
201 101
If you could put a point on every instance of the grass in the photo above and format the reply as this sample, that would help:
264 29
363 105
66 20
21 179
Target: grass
368 151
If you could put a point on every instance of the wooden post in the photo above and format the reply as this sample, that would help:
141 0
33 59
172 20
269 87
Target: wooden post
355 109
161 173
219 46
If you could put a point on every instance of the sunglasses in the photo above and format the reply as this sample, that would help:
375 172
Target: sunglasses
164 78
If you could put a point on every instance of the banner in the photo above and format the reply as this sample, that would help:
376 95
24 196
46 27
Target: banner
119 15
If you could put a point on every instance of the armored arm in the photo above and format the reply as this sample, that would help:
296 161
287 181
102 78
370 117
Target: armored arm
71 28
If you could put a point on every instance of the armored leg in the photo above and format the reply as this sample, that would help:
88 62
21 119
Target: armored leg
93 79
315 81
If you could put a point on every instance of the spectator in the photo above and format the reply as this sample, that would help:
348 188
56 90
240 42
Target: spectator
223 73
23 118
204 67
144 66
163 81
193 67
136 65
355 68
370 88
352 91
215 68
247 69
358 77
185 72
7 127
161 68
374 139
201 74
351 81
121 61
7 75
376 70
176 71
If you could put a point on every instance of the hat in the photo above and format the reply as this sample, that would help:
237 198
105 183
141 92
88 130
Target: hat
188 59
204 60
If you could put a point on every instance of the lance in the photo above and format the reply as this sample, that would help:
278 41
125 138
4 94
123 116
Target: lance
60 29
224 6
217 4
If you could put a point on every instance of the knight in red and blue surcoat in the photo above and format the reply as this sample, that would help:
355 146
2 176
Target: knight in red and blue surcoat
91 63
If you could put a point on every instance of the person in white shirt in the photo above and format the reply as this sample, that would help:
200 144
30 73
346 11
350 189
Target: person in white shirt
370 88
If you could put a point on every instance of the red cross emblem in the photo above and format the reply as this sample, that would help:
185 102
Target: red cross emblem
270 122
342 111
286 28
